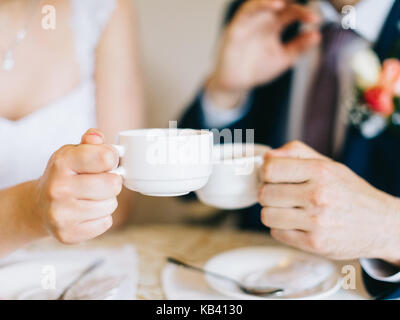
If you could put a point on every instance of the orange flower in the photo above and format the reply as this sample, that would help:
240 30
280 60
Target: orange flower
390 75
380 100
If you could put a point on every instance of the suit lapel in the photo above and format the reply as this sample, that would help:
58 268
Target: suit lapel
388 44
375 159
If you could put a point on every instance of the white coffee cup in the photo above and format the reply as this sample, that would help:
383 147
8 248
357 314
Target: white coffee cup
235 180
165 162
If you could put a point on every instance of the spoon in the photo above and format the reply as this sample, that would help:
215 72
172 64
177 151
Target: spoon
245 289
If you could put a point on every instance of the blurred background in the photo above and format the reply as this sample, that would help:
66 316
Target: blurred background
178 42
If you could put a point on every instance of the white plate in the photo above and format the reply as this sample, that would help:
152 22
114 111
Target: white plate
43 275
244 263
27 279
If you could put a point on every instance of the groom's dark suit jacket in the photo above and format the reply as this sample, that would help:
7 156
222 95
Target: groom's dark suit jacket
377 160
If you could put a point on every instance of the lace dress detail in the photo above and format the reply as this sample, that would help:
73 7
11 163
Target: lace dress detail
27 144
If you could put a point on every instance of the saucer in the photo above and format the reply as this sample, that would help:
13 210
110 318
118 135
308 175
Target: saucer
301 275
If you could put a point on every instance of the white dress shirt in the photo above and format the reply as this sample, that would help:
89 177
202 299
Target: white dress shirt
370 18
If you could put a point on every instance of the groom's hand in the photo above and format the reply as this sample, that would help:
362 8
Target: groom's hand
318 205
252 52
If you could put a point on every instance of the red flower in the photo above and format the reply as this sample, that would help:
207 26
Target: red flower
380 100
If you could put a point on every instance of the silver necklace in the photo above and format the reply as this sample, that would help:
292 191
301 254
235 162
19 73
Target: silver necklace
8 60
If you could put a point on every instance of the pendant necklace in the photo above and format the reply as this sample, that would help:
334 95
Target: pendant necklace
7 60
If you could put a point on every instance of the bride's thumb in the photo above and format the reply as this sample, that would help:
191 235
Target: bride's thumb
93 136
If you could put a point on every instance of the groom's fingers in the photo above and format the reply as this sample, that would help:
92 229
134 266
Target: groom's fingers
300 44
252 7
296 12
283 195
286 219
289 170
294 238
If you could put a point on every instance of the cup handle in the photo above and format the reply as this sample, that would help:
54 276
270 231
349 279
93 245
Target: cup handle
121 152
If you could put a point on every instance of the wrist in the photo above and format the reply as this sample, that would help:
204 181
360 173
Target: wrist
222 97
392 252
18 224
29 212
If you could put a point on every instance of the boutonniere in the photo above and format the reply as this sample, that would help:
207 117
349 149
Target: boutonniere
377 103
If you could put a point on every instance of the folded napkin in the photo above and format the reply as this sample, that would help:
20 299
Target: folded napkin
37 275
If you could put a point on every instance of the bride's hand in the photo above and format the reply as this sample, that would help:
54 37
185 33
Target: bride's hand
76 196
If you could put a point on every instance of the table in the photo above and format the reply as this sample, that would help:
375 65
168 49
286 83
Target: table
193 244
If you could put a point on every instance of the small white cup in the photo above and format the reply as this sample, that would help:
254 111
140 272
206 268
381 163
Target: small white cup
235 180
165 162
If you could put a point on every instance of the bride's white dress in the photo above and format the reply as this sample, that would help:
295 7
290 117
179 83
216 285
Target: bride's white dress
27 144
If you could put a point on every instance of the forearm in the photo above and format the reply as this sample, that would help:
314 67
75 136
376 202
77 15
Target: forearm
203 113
18 225
224 99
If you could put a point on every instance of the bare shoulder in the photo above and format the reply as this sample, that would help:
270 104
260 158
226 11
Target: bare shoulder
125 12
122 24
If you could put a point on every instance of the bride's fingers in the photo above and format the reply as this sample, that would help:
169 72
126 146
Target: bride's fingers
86 230
80 211
100 186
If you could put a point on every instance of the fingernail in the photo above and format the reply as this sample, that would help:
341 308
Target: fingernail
95 134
